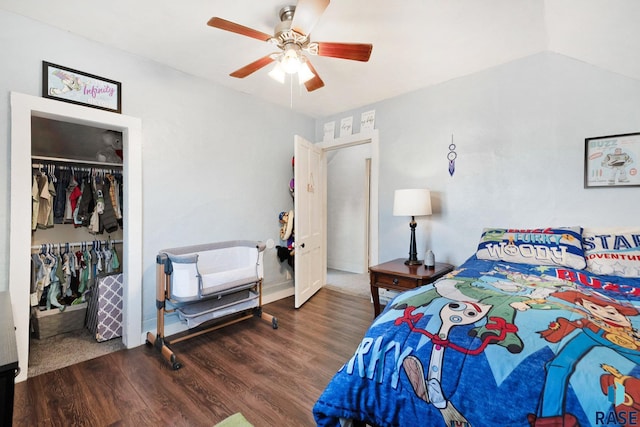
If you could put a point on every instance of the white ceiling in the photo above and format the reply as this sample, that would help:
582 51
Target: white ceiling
416 43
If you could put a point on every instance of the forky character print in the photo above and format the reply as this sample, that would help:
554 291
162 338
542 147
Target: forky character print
429 388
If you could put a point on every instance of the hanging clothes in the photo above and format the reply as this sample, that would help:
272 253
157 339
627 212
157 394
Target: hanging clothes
86 203
35 202
113 196
72 194
46 193
62 277
89 197
69 191
63 178
108 217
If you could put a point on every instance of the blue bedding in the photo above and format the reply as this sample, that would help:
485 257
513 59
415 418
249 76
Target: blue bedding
497 344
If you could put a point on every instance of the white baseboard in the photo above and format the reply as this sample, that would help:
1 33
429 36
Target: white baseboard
341 265
278 295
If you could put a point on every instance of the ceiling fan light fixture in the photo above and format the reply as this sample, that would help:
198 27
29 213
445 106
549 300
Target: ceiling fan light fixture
277 73
304 73
291 38
290 61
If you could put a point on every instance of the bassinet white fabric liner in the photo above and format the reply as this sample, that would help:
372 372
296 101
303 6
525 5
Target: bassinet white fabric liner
202 270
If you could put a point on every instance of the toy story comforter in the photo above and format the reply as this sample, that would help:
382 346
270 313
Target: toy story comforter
497 343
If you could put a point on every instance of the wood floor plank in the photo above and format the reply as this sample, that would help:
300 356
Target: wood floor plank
272 376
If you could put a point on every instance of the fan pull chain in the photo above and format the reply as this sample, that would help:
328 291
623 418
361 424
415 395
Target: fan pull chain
291 91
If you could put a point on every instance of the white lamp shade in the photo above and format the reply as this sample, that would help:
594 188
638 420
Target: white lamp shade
290 61
412 202
277 73
304 73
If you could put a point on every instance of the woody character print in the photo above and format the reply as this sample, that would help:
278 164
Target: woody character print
605 324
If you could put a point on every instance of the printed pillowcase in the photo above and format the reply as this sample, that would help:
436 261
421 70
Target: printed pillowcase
561 246
612 251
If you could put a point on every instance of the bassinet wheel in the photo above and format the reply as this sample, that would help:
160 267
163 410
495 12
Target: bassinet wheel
176 366
274 323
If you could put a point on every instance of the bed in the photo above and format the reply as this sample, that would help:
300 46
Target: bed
539 327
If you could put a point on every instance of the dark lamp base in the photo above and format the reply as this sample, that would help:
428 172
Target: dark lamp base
413 262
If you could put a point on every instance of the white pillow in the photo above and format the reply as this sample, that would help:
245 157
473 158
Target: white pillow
613 251
557 246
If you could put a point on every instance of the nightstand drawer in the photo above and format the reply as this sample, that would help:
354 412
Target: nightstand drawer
390 280
399 276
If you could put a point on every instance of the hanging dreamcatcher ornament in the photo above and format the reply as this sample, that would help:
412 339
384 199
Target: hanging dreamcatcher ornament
451 156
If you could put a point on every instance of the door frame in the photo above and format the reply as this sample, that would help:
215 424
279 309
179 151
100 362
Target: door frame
350 141
23 107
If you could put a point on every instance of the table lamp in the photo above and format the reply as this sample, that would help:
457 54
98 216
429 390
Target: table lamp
413 203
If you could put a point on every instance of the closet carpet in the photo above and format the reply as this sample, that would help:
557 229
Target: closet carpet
67 349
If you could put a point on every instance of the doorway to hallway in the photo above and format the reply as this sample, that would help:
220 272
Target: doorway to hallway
347 282
348 211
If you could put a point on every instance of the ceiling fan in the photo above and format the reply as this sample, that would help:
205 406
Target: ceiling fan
291 36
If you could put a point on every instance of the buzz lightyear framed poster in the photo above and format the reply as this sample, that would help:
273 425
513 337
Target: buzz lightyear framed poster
77 87
612 161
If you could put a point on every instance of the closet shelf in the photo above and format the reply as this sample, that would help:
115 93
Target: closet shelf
76 161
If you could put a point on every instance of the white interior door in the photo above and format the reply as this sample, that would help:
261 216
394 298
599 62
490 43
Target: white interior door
309 220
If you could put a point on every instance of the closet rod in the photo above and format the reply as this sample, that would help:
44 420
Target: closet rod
80 162
87 242
85 168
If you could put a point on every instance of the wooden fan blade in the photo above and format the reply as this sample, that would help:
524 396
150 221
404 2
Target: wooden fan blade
307 14
223 24
353 51
314 83
253 67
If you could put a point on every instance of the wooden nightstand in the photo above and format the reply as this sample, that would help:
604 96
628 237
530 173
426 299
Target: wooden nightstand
400 277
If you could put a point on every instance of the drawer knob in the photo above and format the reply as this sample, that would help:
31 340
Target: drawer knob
395 281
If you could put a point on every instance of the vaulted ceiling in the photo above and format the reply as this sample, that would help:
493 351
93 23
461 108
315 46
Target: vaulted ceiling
416 43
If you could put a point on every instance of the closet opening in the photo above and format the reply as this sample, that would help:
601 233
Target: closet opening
76 243
23 109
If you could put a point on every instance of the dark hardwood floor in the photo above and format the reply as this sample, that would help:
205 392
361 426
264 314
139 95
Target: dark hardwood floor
272 376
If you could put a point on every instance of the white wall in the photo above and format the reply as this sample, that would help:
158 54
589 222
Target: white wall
216 163
519 131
